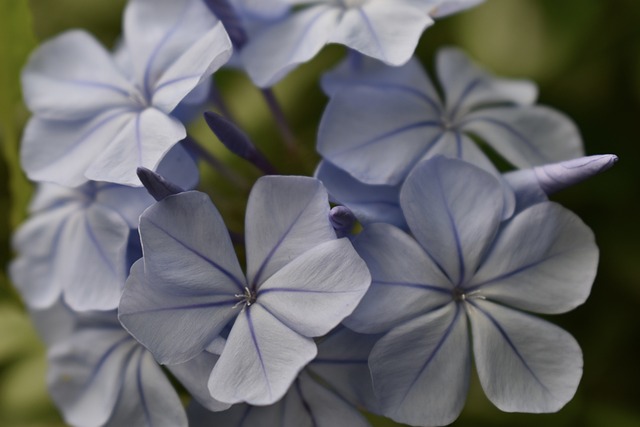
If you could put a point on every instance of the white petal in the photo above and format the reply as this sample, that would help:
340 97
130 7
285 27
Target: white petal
525 364
260 361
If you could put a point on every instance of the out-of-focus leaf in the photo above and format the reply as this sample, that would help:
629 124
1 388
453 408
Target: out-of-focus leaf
17 335
16 41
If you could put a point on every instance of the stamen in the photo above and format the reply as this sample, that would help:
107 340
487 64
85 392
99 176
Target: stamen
247 298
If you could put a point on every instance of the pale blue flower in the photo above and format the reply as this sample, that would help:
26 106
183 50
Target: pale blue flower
387 30
380 203
98 375
328 392
380 122
301 282
95 121
464 273
76 243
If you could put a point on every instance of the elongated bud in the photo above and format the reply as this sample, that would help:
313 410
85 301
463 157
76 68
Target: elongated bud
342 220
533 185
156 185
558 176
237 142
227 14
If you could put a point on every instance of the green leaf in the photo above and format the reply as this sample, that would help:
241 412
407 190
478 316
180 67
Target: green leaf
16 41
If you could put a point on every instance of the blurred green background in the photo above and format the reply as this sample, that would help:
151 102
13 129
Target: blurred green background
585 56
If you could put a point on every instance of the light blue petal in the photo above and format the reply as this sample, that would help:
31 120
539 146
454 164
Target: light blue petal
544 260
159 33
525 364
194 376
342 364
286 216
192 68
144 141
401 272
421 369
186 283
261 359
96 241
70 147
147 398
466 86
377 145
527 136
280 47
387 30
369 203
86 374
36 243
361 70
72 77
177 166
317 290
54 324
453 209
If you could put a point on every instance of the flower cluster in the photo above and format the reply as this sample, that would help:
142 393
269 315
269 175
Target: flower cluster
323 319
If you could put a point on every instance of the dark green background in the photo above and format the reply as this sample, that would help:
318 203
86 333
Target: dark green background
585 56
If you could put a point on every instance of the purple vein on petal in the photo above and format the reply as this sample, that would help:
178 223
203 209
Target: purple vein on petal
190 306
201 256
369 25
304 291
432 355
514 132
390 134
256 279
454 229
513 347
423 286
99 247
93 129
176 80
255 343
158 47
465 93
143 400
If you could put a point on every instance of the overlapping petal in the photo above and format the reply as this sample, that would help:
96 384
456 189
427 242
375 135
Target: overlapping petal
527 136
261 359
463 205
544 260
401 272
183 280
379 146
315 291
286 216
421 369
525 364
72 77
369 203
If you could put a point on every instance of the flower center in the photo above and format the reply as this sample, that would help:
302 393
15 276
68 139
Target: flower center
245 299
460 295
